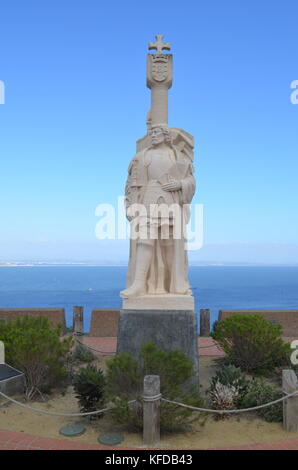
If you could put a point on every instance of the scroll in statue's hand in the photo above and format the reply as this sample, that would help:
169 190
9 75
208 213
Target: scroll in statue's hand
172 186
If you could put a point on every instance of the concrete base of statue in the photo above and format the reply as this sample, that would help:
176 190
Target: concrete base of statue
168 329
159 302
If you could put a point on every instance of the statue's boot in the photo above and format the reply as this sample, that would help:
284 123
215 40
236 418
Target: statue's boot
143 260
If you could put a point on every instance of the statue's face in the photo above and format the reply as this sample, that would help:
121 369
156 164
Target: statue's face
157 136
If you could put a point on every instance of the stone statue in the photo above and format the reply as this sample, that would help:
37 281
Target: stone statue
158 305
159 188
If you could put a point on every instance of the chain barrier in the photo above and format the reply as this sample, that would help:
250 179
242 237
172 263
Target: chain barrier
54 413
155 398
215 345
108 353
243 410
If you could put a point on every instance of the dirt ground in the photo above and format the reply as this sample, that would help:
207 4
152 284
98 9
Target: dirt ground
240 430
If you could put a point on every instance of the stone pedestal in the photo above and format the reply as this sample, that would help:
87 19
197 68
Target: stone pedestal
160 302
168 329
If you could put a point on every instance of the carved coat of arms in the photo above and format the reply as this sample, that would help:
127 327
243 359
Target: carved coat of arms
159 69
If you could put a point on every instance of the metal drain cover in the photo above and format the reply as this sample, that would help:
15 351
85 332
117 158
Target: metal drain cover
111 439
72 430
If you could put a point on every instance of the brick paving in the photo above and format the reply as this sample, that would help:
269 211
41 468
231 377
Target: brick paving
107 346
11 440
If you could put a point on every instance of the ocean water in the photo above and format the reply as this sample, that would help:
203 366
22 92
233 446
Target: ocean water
214 287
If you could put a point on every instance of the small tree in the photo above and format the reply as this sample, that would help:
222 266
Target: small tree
33 346
89 385
252 343
125 382
83 354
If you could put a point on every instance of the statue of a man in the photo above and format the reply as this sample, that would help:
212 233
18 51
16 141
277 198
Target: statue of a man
159 177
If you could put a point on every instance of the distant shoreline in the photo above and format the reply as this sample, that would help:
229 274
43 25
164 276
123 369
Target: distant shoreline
216 265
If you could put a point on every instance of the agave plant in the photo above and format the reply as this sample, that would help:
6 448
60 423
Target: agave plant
230 375
223 397
227 386
89 385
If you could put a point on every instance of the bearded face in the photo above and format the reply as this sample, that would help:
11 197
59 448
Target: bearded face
160 135
157 136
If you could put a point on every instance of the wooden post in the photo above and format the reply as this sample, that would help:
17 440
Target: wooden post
78 319
290 406
151 416
204 322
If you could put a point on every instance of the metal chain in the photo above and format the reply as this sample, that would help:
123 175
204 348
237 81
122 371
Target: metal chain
215 345
111 352
93 349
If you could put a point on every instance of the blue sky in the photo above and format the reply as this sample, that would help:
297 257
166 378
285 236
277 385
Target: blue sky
76 102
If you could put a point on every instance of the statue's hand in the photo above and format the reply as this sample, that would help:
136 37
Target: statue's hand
129 214
172 186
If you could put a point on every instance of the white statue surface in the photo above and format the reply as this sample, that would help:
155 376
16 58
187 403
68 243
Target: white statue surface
159 188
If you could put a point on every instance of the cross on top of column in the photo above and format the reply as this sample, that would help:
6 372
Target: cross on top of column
159 45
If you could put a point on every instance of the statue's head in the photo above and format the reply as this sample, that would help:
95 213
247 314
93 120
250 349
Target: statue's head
160 133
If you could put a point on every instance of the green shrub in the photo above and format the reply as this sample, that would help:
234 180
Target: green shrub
83 354
35 348
124 376
125 382
259 393
252 343
173 367
89 385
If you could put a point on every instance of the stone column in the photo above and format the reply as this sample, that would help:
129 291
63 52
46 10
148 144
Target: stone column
159 80
204 322
78 320
159 104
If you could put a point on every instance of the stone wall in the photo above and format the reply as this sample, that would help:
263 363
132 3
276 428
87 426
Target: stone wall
288 319
104 322
55 315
